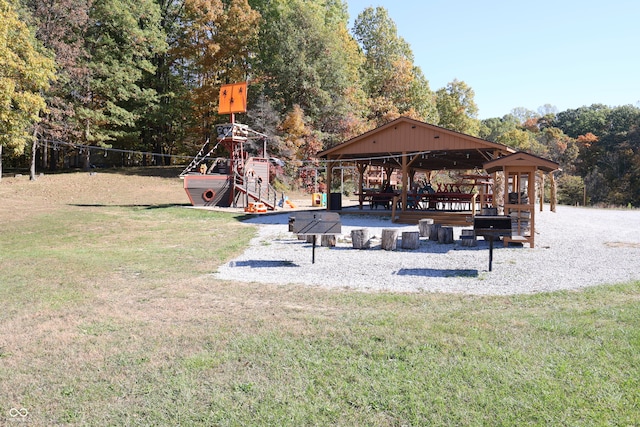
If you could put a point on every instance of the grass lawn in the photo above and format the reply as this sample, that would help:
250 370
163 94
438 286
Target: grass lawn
110 316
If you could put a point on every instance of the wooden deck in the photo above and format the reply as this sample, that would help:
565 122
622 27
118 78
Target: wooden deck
459 219
413 216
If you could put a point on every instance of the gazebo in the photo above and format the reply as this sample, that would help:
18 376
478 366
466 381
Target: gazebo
409 146
519 171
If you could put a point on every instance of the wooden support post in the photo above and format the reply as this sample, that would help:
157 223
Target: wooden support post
329 183
362 168
541 175
553 197
405 181
394 203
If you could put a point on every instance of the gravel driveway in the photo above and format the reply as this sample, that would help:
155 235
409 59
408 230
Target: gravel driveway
575 248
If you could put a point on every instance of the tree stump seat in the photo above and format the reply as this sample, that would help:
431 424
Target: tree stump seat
410 239
433 230
424 227
468 238
360 238
445 235
389 239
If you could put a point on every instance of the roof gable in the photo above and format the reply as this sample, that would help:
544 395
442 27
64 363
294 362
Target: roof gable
521 159
409 135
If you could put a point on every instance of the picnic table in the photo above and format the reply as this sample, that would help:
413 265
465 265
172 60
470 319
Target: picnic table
377 198
442 200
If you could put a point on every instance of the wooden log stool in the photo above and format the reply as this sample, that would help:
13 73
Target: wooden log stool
423 226
468 238
328 240
433 231
360 238
445 235
389 239
410 239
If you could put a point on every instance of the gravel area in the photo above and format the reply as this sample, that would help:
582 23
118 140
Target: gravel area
574 248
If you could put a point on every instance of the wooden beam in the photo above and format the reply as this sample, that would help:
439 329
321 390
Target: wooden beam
554 194
416 157
405 179
362 168
541 175
329 179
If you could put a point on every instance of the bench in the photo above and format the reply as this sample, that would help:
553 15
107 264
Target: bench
376 199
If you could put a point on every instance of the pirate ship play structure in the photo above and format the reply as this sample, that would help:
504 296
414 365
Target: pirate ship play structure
239 180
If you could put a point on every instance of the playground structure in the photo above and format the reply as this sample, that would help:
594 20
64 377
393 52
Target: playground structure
239 180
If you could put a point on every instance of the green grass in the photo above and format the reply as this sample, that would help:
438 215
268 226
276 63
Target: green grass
111 316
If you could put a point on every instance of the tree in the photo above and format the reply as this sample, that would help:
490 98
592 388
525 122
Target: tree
306 58
377 34
570 189
215 42
25 71
61 26
394 85
547 110
617 154
164 128
608 150
263 118
123 37
457 109
294 131
522 140
524 114
492 129
300 146
583 120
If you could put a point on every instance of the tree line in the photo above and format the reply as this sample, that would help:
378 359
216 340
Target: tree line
143 76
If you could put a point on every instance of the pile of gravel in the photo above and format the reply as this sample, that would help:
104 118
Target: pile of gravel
574 248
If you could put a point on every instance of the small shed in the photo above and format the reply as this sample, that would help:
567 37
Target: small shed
519 188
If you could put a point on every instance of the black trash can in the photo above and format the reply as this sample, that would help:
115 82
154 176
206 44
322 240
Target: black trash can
335 201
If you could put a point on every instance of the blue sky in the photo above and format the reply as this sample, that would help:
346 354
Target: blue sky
524 54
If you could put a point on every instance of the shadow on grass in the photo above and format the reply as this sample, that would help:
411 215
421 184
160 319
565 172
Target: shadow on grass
436 272
157 171
143 206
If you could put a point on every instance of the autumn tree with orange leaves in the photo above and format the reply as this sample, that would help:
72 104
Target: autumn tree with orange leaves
214 45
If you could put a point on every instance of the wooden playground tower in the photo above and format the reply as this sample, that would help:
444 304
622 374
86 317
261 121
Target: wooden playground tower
238 180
